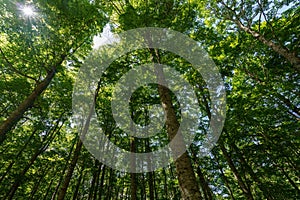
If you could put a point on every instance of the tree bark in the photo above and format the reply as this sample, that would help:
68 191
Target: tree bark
204 185
37 183
186 176
18 113
95 181
102 182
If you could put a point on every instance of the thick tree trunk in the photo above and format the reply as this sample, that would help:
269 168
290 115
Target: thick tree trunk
186 176
18 113
236 174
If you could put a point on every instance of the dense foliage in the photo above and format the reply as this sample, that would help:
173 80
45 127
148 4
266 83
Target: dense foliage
254 44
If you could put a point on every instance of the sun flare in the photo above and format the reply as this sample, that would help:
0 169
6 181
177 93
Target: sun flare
28 11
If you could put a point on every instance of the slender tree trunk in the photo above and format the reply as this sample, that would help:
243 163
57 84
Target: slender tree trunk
133 175
95 179
143 186
110 185
150 174
75 194
165 184
18 113
48 189
264 189
204 185
205 188
236 174
290 180
17 156
290 56
19 180
98 181
38 152
155 189
102 182
226 182
64 170
63 190
37 184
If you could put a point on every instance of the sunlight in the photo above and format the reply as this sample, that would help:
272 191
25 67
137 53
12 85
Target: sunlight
28 11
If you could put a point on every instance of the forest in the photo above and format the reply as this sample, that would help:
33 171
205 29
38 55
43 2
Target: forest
46 46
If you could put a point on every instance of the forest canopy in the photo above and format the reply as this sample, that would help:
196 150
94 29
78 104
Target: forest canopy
254 47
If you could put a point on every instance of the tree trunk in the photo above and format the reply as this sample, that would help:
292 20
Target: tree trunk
186 176
17 156
252 174
48 189
204 185
64 170
290 56
37 184
38 152
63 190
18 113
95 180
99 170
236 174
109 185
75 194
290 180
133 175
225 180
102 182
150 174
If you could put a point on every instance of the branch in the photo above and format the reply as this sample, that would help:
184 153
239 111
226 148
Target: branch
290 56
14 69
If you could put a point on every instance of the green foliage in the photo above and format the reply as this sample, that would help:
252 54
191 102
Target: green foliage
261 133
